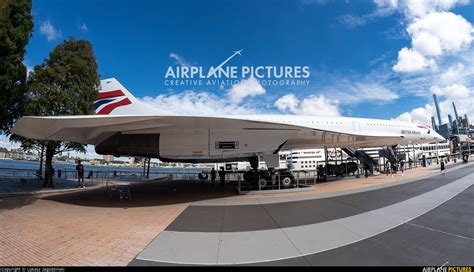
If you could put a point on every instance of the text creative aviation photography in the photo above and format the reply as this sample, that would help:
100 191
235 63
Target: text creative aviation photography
227 133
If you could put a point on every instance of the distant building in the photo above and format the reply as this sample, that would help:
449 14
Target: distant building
108 158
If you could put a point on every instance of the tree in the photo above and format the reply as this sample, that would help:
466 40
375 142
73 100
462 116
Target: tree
64 84
16 26
31 144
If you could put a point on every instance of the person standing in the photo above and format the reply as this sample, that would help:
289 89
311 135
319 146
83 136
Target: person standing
213 176
442 166
80 174
320 172
222 176
202 178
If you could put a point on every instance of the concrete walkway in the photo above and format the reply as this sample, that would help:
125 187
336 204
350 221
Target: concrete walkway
250 233
87 228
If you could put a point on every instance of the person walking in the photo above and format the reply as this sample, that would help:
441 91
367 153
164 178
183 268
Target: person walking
389 168
442 166
222 176
366 170
213 176
80 174
402 167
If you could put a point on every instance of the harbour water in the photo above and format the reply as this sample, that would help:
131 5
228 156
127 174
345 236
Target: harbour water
26 168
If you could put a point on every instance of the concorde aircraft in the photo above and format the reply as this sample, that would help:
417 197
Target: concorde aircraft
126 126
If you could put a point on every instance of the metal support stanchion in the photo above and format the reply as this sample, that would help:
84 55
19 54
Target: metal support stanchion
278 181
239 188
259 184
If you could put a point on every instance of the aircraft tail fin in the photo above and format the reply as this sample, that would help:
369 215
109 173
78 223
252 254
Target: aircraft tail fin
114 99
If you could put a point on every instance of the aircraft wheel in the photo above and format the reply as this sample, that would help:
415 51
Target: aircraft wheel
286 181
263 183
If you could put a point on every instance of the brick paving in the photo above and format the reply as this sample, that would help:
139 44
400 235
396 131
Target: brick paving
87 228
16 184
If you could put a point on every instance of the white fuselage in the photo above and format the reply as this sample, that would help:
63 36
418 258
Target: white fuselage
200 140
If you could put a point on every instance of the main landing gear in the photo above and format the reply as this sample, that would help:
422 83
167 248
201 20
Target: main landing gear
268 178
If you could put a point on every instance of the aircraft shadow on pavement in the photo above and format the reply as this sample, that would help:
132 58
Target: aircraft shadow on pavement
147 194
11 203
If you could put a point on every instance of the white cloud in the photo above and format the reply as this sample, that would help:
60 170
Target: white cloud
319 106
418 8
411 9
454 91
198 103
51 33
84 27
410 60
5 142
434 32
440 32
28 67
427 44
351 92
457 93
311 105
90 153
246 87
453 73
353 21
180 60
421 115
287 102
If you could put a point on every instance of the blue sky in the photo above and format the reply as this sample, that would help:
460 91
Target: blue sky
376 59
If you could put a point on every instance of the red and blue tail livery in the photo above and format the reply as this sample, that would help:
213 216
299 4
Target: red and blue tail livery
108 101
115 99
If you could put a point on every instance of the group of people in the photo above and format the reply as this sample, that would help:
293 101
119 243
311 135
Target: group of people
391 169
221 174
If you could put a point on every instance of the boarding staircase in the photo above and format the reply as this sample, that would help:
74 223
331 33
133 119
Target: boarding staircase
388 153
362 156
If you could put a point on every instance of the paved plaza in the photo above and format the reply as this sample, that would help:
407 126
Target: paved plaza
85 227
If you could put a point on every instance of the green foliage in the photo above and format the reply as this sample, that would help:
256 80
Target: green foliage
64 84
16 26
